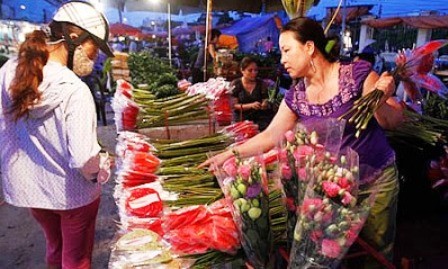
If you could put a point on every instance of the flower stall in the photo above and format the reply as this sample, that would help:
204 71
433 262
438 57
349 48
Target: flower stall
298 205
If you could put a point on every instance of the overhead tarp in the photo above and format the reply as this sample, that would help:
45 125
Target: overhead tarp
424 22
352 12
247 32
384 8
254 6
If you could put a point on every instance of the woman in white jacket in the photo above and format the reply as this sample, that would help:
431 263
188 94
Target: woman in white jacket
50 157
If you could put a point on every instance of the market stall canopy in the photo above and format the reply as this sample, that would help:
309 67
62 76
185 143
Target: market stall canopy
352 12
247 32
182 30
387 8
254 6
425 22
121 29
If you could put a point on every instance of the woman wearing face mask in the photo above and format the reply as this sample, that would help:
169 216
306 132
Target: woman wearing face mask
327 88
250 96
50 157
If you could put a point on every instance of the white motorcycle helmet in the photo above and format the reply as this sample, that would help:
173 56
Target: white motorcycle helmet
85 16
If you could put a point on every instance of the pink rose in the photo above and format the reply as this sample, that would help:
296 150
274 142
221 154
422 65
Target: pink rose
344 183
302 151
244 171
331 188
290 136
347 199
302 174
331 248
286 171
311 204
229 167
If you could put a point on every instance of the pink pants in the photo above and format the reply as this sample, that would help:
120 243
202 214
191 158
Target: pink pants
69 235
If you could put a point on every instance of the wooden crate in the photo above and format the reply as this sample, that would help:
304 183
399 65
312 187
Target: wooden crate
180 132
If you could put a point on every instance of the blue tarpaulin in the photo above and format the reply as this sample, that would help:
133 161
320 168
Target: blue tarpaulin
250 31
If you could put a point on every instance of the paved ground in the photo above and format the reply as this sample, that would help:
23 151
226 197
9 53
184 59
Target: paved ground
422 234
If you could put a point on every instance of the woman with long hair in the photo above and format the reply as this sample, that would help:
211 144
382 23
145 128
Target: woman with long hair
50 157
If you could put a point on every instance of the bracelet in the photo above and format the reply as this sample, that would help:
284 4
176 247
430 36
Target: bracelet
241 106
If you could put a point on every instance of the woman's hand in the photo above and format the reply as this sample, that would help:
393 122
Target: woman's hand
255 105
265 104
386 84
216 161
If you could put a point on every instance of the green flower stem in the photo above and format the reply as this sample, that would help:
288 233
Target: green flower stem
208 140
180 170
188 151
191 160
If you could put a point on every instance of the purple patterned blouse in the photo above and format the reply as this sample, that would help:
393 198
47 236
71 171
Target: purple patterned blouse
374 151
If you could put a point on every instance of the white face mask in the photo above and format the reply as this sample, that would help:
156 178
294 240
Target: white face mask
82 65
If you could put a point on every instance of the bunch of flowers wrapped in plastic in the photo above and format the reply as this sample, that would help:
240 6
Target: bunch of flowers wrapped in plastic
244 183
295 158
329 216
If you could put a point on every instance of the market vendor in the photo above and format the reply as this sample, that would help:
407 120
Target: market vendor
251 96
198 68
328 88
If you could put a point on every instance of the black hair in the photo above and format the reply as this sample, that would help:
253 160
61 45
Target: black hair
215 33
246 61
306 29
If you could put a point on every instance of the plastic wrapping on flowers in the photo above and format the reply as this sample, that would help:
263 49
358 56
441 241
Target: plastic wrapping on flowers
218 91
330 216
142 248
245 186
199 229
125 110
308 143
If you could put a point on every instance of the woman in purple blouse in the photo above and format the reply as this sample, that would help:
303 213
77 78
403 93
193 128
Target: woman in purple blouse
327 88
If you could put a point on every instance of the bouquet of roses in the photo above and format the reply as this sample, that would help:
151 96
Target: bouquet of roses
330 218
298 153
244 183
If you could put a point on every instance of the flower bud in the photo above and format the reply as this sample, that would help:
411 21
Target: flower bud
341 241
254 213
242 189
313 138
343 225
332 229
237 203
255 202
318 217
343 159
245 207
234 193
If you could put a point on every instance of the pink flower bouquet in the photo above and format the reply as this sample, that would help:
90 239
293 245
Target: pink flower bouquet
302 148
329 216
245 186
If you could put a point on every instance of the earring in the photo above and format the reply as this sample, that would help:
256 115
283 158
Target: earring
313 66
